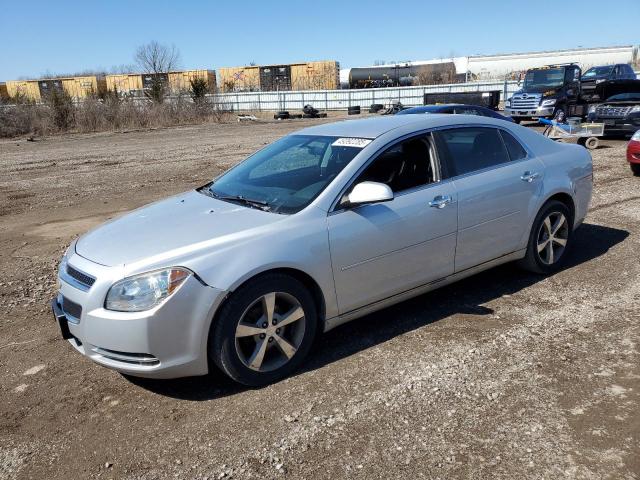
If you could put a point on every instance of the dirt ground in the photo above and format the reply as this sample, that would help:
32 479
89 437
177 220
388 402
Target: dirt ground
505 375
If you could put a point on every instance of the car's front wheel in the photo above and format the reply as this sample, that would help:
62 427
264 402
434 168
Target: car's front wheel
264 330
549 239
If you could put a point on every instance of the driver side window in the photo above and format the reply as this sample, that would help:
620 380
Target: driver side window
405 165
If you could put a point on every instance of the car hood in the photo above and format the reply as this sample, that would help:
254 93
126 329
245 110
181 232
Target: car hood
181 223
621 103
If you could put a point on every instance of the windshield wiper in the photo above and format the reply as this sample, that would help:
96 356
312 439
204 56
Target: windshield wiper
260 204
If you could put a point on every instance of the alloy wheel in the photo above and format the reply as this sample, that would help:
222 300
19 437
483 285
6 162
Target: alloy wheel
270 331
552 237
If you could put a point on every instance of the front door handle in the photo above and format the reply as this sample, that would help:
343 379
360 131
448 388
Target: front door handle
440 201
529 176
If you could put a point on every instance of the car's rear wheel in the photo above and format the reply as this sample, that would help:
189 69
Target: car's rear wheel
549 239
264 331
635 168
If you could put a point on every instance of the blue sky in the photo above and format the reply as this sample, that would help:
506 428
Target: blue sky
68 36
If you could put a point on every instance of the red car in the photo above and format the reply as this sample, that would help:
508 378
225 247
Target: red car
633 153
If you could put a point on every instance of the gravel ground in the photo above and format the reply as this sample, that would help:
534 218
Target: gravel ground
504 375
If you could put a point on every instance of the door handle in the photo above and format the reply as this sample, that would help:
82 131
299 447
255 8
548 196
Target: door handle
440 201
529 176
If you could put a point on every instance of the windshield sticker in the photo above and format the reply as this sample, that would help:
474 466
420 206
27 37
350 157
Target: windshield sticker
351 142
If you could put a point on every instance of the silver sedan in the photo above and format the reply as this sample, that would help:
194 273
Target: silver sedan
321 227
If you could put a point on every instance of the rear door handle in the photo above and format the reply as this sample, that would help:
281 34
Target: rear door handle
440 201
529 176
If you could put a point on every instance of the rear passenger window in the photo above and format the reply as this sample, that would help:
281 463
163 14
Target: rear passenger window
516 152
470 149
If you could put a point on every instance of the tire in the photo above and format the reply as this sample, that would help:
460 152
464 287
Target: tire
309 115
309 110
591 143
354 110
542 262
635 168
236 351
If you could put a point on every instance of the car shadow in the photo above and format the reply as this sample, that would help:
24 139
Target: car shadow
466 296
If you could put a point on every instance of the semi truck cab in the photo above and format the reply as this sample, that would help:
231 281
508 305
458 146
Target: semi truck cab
546 92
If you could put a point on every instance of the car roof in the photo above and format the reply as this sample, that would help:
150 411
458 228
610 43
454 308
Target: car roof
377 126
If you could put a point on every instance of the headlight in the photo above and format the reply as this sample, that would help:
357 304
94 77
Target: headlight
145 291
635 109
63 260
507 103
548 103
600 80
63 265
592 108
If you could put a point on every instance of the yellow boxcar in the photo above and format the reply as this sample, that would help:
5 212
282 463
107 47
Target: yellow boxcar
239 79
181 81
324 75
3 90
126 83
83 87
26 88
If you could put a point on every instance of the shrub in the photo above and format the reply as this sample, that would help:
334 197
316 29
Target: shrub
199 89
62 108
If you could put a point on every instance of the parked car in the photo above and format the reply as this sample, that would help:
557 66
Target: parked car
603 73
633 153
316 229
620 114
455 109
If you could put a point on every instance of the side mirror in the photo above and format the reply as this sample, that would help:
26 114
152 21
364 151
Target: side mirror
370 192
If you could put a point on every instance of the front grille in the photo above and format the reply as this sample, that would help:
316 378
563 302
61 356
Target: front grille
71 309
529 102
83 278
612 112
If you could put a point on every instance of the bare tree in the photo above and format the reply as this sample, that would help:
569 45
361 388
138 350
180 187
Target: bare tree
157 58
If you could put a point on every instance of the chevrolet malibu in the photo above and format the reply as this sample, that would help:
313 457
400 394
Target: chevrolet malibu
318 228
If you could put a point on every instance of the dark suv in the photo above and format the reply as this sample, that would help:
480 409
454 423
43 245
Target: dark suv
603 73
620 114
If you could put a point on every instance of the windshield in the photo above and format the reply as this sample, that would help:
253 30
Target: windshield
426 109
598 72
540 80
625 97
287 175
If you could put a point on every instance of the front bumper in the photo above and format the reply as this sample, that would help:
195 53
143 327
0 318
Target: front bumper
168 341
529 113
619 126
633 152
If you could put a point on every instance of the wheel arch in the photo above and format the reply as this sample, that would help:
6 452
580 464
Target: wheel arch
562 197
303 277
